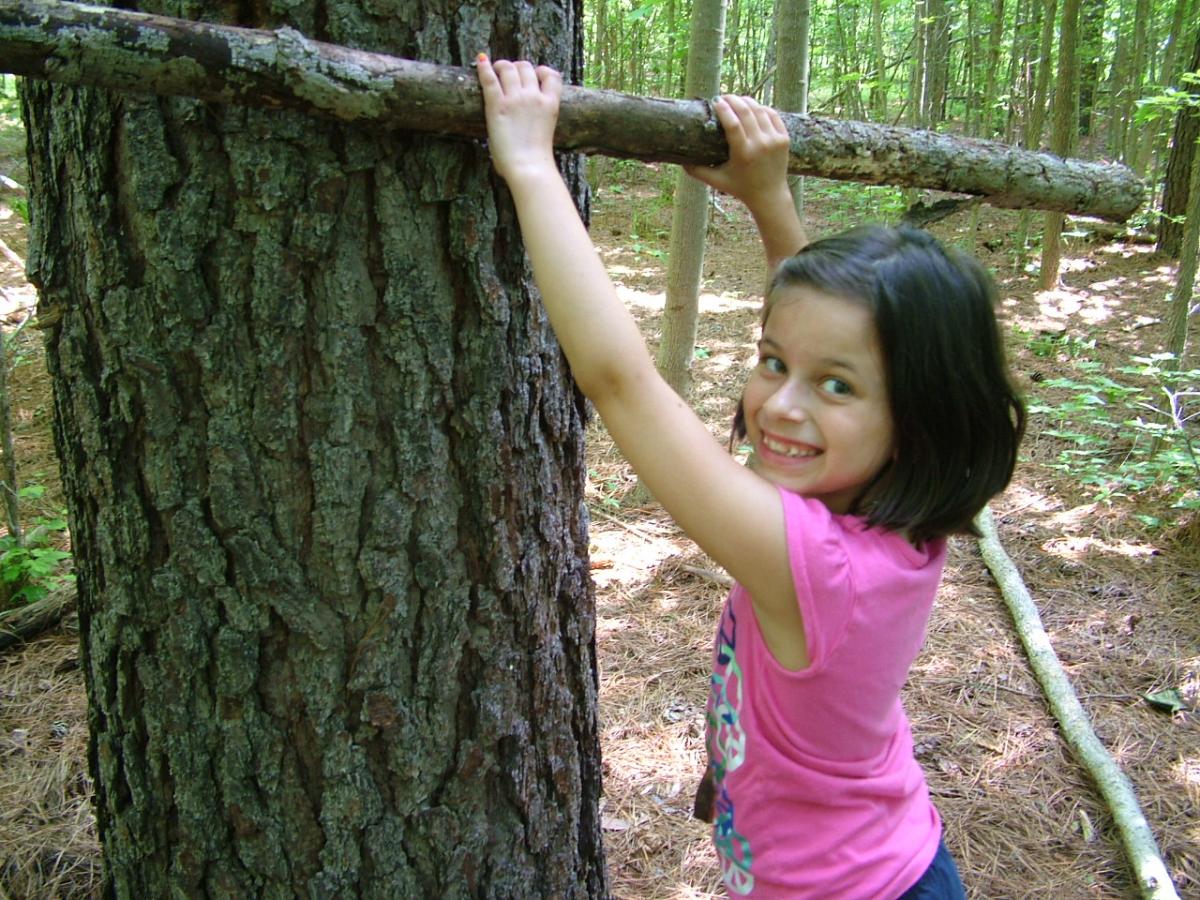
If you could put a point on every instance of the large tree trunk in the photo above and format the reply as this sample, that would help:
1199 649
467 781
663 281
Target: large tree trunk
75 44
325 475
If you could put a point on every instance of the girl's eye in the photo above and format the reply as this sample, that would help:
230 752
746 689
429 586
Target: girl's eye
836 387
772 364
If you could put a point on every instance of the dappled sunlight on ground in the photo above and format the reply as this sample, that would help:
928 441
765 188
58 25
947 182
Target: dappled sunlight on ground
617 559
1058 307
1077 548
728 301
641 299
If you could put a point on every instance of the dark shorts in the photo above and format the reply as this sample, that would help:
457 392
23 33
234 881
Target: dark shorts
940 881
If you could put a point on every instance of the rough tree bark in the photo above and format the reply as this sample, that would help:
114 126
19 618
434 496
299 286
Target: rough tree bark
325 475
76 44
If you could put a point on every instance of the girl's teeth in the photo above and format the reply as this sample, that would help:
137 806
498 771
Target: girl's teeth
786 450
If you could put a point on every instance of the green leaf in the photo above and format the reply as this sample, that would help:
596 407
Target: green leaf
31 593
1170 700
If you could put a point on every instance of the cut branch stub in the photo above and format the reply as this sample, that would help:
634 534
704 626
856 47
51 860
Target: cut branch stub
126 51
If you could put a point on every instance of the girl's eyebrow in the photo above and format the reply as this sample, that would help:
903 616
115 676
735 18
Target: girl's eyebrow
833 361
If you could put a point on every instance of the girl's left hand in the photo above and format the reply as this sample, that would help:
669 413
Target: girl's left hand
759 145
521 105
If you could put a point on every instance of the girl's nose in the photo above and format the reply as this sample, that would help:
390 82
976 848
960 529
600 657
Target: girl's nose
789 402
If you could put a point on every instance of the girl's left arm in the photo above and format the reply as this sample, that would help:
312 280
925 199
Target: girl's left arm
735 516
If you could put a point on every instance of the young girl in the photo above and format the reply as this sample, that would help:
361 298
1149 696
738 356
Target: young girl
881 419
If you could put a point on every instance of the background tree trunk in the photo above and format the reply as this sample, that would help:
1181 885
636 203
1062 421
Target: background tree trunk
995 34
325 476
917 74
1179 167
792 47
598 65
937 61
1035 119
879 82
1160 135
1185 279
1136 139
1019 67
1091 32
1066 93
1118 80
689 214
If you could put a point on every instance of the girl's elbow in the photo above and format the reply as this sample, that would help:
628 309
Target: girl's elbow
611 385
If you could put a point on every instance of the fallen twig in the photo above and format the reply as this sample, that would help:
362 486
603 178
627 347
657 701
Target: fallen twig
632 529
24 622
709 575
1149 870
11 255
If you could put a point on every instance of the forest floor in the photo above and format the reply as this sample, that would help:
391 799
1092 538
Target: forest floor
1117 579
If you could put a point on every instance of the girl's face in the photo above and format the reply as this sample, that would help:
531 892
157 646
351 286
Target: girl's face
816 405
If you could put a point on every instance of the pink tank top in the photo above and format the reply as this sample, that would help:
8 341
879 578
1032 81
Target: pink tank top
817 793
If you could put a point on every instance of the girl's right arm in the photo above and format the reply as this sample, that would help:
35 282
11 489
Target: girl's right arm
756 173
731 513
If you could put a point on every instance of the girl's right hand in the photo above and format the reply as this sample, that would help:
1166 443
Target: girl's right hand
759 145
521 107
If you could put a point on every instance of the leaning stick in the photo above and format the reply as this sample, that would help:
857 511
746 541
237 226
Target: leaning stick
134 52
1140 846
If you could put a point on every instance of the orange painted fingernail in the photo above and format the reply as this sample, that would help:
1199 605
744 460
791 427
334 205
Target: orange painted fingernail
482 57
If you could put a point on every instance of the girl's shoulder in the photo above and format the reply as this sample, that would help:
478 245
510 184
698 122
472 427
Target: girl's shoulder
812 526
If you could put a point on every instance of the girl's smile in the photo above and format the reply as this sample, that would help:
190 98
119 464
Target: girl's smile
816 406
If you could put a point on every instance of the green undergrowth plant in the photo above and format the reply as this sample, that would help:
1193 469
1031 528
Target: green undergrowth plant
32 566
1128 431
854 204
1054 345
21 207
10 104
12 133
609 489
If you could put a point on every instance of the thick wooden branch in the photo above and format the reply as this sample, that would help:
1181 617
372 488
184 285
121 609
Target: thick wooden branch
1153 880
125 51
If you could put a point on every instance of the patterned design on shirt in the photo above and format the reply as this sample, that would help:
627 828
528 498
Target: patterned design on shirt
726 752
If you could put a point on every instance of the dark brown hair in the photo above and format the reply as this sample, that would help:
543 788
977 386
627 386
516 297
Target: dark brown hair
958 419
